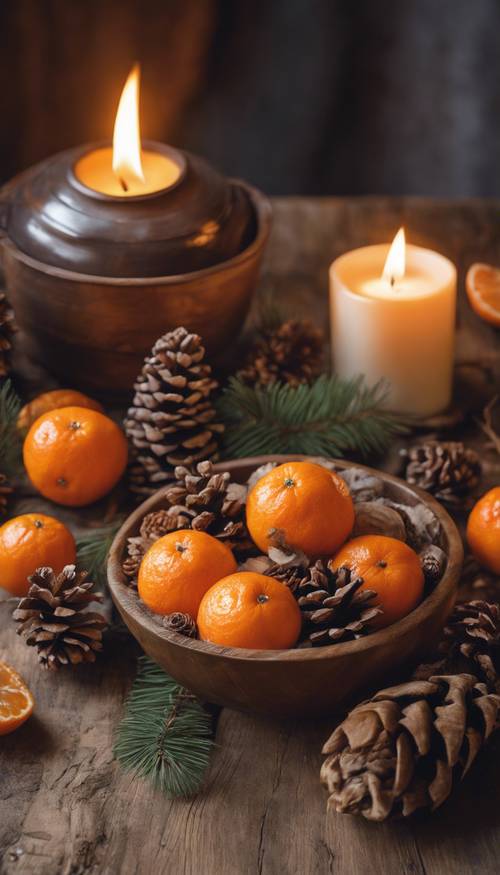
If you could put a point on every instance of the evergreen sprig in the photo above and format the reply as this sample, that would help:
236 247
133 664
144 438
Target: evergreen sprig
330 417
10 438
165 735
93 548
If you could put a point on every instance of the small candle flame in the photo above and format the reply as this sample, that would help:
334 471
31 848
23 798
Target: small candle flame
395 263
127 163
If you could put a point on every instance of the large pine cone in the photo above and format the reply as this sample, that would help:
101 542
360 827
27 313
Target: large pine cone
172 420
53 618
448 470
471 639
333 606
7 330
212 503
291 353
404 748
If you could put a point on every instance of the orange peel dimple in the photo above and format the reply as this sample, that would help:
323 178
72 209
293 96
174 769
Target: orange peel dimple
482 284
16 701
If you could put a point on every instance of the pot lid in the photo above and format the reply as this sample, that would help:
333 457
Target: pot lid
201 220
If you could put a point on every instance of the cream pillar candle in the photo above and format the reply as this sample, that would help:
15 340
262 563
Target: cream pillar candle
396 322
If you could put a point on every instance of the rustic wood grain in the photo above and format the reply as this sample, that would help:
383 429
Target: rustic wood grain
67 809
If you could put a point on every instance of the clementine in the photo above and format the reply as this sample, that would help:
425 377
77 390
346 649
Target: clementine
53 400
390 568
74 456
179 568
16 701
310 505
29 541
483 290
249 610
483 530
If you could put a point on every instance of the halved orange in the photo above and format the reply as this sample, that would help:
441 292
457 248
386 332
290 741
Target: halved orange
483 290
16 701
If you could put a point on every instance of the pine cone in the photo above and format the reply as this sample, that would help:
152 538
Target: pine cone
183 624
212 503
291 353
448 470
154 525
54 620
472 633
5 492
403 749
333 609
7 330
291 575
172 420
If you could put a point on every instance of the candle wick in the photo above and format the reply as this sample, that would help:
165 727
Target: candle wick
393 280
123 184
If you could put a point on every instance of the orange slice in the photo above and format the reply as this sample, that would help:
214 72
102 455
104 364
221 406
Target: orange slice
16 701
483 290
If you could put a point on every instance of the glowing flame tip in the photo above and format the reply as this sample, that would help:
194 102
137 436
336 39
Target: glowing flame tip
127 163
395 264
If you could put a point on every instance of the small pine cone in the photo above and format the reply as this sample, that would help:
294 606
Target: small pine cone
172 420
212 503
292 576
7 331
159 523
333 606
5 493
471 639
403 749
448 470
53 618
291 353
183 624
136 548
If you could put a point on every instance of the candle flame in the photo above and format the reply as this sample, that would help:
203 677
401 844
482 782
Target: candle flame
127 163
395 263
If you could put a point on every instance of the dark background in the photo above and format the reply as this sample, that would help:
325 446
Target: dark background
297 96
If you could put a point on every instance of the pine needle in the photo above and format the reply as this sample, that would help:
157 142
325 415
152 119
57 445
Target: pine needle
93 548
331 417
165 735
10 439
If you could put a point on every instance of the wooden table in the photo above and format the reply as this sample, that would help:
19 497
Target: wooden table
67 807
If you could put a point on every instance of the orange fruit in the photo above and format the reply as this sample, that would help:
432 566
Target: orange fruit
29 541
16 701
74 456
390 568
483 290
178 569
483 530
249 610
53 400
309 504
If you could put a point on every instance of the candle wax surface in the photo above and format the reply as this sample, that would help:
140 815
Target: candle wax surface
414 284
95 170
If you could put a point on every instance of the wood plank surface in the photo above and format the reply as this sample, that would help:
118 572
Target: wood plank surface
66 808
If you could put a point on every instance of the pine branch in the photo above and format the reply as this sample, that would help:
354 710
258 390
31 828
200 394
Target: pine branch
10 439
165 735
331 417
93 548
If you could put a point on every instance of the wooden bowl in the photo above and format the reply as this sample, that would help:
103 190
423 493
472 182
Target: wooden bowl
291 683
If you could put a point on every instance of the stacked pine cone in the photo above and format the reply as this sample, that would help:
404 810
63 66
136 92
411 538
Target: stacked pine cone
334 607
291 353
53 617
447 469
172 420
7 330
406 747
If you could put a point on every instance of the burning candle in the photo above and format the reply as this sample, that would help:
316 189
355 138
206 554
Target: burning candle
126 170
393 317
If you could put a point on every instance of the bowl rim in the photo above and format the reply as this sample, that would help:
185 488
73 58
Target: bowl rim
263 215
123 595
